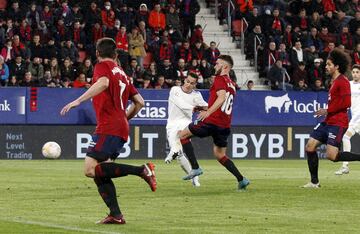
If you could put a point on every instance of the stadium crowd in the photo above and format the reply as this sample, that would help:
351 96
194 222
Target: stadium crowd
51 43
294 38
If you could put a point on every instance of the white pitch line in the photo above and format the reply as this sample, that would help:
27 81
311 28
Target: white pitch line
51 225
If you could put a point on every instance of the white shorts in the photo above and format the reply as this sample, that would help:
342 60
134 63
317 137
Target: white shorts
172 135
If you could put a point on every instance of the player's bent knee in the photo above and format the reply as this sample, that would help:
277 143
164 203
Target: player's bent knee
89 172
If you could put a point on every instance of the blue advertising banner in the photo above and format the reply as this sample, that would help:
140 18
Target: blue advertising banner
12 106
251 108
276 108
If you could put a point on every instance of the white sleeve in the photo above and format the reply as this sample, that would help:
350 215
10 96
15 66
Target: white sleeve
199 100
177 101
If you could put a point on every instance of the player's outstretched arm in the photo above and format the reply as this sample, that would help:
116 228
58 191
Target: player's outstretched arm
100 85
136 105
221 97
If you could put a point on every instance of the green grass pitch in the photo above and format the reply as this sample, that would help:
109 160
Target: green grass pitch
54 197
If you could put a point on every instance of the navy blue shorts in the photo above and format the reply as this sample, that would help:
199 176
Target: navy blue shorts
104 147
219 135
328 134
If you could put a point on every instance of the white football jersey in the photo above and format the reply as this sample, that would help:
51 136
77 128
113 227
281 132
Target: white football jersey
355 101
181 105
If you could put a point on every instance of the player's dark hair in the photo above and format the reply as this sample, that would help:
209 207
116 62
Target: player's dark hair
106 48
356 66
193 75
340 59
228 59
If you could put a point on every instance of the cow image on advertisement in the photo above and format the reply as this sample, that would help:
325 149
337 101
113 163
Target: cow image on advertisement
277 102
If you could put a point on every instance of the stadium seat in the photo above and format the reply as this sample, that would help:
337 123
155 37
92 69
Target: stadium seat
82 56
147 60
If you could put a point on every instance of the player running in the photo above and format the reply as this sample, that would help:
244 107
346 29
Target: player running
216 121
183 100
332 129
111 90
354 125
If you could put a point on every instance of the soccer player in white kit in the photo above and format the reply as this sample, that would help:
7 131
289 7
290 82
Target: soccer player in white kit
354 125
183 101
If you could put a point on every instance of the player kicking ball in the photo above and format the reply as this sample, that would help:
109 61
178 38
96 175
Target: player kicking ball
216 122
111 90
183 100
332 129
354 125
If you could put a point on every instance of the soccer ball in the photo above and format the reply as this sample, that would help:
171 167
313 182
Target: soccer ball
51 150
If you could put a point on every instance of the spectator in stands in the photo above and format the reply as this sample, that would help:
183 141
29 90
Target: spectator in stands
314 40
122 45
142 14
165 52
25 31
284 56
15 13
126 17
44 32
316 71
27 81
4 72
255 37
346 39
61 31
80 82
356 55
77 14
318 86
209 82
172 17
145 32
35 47
78 36
107 16
7 51
187 13
50 51
207 70
65 13
327 50
181 70
136 46
66 83
245 6
134 73
197 34
93 16
47 80
344 6
10 30
198 51
297 55
302 21
326 37
329 22
157 21
185 52
69 50
55 70
288 36
317 6
355 6
147 83
2 33
354 23
160 84
253 19
300 86
88 69
275 26
32 17
46 15
276 75
13 82
18 67
175 36
300 74
36 69
270 56
212 53
167 70
250 85
67 69
151 73
315 20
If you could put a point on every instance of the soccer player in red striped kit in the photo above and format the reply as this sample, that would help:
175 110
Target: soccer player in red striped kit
333 128
215 121
111 89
